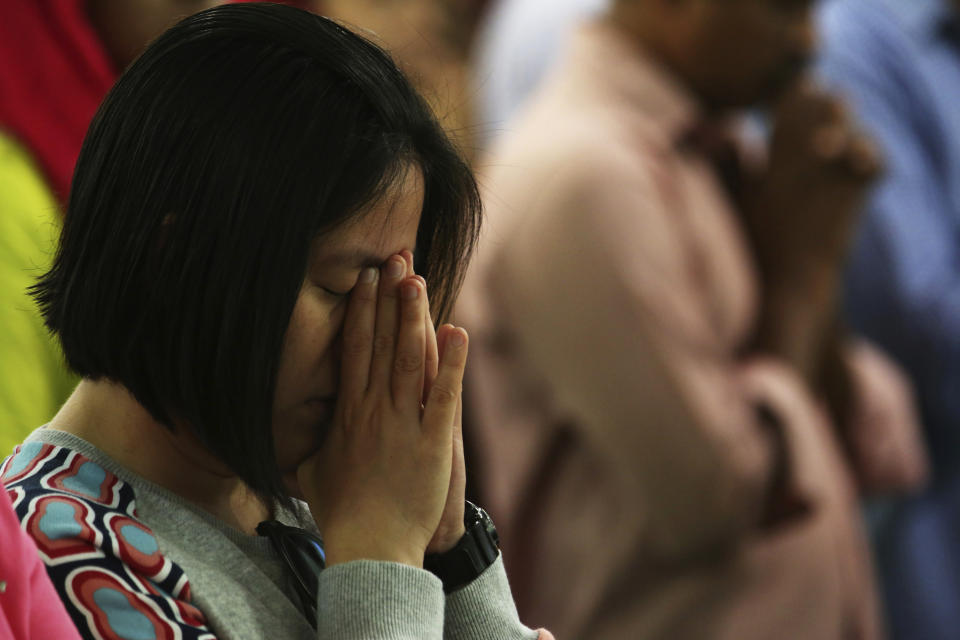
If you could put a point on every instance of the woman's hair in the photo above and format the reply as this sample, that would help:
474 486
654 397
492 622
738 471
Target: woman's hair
237 138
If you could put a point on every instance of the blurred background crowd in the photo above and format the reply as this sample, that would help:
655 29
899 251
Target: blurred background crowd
714 388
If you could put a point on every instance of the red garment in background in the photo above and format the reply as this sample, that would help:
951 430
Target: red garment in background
54 74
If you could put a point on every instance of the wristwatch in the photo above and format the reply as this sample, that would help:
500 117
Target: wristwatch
477 549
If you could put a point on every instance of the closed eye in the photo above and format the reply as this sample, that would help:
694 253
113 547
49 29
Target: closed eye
335 294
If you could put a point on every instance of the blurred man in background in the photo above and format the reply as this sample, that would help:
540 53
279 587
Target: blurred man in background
669 415
898 62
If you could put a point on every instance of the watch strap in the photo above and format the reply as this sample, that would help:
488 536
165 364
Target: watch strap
470 557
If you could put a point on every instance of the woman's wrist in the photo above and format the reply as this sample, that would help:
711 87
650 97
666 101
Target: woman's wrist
367 542
448 540
373 550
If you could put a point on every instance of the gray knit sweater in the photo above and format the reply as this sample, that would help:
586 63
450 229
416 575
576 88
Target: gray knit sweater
240 584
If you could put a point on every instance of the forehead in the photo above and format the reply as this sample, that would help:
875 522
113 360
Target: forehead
382 229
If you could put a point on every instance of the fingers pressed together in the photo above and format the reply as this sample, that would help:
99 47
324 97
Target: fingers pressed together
391 346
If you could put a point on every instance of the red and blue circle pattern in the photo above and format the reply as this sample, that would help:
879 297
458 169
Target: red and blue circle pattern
63 529
110 607
85 479
106 565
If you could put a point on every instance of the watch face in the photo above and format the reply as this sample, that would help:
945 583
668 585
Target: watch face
472 514
492 531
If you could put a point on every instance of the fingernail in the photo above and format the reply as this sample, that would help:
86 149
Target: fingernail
458 339
368 275
409 291
395 268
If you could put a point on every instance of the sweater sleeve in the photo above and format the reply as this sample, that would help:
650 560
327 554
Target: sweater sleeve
389 601
485 609
367 600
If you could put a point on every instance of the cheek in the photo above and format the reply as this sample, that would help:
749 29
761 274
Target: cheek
315 323
308 366
309 342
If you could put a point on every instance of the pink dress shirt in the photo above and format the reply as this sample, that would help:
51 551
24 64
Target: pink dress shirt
30 608
613 407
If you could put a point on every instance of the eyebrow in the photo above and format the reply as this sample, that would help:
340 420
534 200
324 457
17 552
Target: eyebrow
357 257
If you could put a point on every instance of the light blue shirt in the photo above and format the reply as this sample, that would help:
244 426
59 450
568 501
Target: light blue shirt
898 62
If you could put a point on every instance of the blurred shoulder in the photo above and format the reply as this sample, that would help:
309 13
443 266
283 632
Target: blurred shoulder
564 146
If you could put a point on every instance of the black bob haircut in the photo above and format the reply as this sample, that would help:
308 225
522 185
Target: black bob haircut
239 136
